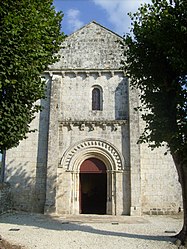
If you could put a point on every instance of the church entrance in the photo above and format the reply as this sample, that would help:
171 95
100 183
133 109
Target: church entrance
93 187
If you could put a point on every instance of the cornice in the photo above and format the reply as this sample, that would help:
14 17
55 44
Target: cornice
87 72
82 124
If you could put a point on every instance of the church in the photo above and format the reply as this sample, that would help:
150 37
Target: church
83 157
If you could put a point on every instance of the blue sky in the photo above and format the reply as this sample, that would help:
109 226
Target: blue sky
110 13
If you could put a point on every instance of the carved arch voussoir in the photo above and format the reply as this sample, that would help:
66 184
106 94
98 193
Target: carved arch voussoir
108 153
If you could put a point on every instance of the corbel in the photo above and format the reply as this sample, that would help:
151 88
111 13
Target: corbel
91 126
104 126
114 128
82 127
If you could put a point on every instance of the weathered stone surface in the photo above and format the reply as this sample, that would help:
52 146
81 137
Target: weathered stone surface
5 198
26 164
44 170
92 47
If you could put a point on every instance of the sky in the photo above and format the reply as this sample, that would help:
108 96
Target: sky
112 14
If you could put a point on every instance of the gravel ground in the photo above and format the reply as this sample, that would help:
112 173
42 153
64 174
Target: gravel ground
37 231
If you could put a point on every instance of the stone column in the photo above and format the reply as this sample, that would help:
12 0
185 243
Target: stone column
114 193
119 193
109 193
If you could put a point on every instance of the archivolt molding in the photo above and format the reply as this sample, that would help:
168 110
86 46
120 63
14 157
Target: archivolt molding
73 157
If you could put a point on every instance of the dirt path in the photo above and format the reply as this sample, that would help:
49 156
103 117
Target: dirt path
6 245
37 231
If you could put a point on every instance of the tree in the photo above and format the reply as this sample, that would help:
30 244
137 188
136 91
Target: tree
30 39
156 63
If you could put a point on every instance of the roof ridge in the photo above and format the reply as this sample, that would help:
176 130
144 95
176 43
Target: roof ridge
98 25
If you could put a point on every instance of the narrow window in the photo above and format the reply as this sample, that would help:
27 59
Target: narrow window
96 99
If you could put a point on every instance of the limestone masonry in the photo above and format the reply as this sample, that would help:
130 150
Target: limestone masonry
84 157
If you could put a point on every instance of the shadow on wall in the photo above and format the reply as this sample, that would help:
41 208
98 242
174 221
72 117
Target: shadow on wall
22 185
5 198
28 184
121 100
122 113
28 187
42 152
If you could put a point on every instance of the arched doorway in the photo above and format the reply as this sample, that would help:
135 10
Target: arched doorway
93 187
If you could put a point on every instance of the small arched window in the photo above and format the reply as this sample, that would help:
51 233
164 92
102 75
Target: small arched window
96 99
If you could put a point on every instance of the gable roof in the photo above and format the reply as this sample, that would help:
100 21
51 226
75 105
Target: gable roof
98 25
90 47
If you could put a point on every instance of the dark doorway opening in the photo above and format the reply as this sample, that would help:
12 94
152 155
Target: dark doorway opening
93 193
93 187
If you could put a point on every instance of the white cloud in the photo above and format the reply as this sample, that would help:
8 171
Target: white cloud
117 12
73 19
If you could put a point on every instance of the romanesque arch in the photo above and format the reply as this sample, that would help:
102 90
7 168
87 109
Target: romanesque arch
106 152
92 148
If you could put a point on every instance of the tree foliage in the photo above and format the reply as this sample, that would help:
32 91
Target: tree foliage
156 62
29 39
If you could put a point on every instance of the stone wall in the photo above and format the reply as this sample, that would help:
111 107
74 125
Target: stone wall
160 189
26 164
90 58
92 47
5 198
154 182
73 121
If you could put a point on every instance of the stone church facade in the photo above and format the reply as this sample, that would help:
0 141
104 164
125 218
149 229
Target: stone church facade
84 157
